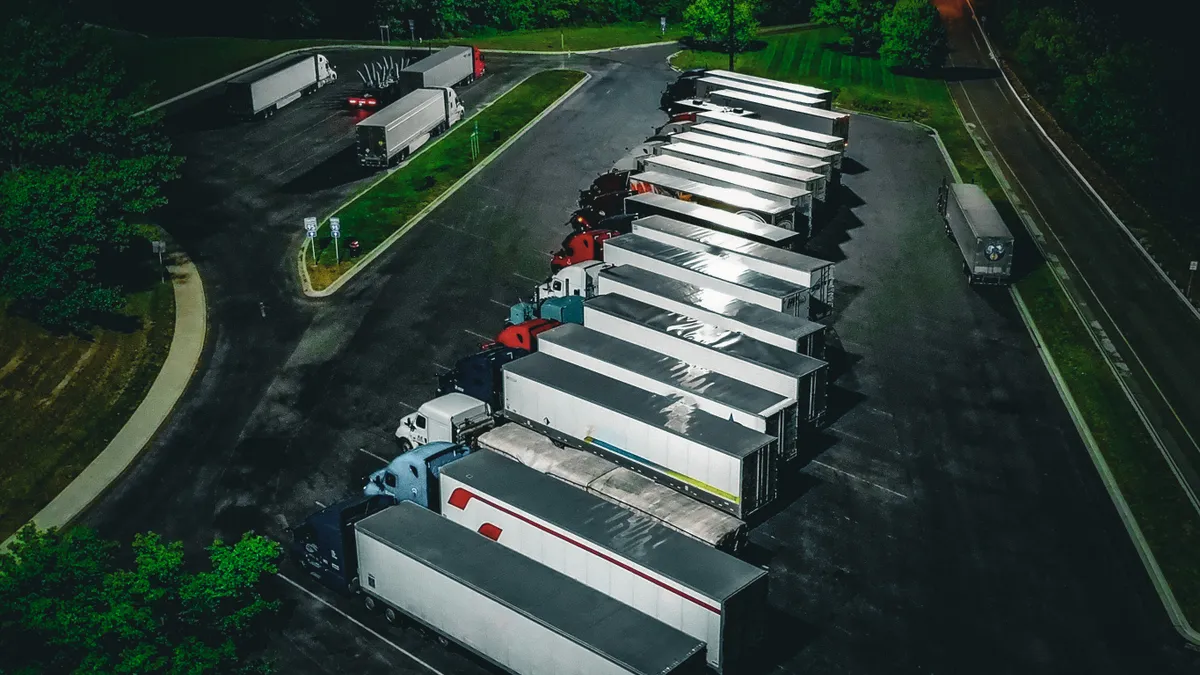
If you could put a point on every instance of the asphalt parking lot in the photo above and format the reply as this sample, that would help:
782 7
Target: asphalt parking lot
949 521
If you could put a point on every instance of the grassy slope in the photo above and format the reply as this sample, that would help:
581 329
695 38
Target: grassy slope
1165 516
388 206
63 398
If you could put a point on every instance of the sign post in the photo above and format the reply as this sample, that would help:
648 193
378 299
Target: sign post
1191 273
475 142
412 31
310 229
335 229
160 247
662 23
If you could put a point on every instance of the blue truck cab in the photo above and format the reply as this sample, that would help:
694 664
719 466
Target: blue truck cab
413 476
481 375
324 544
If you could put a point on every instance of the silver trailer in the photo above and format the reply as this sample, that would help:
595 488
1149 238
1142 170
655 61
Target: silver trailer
512 612
700 344
732 200
797 161
784 131
664 437
651 204
397 131
262 91
721 131
697 105
714 393
796 268
618 485
792 333
709 83
700 591
448 67
973 223
747 164
815 92
776 110
721 273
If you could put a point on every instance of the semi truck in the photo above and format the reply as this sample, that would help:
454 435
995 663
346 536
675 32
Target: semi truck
653 204
503 607
721 132
713 270
772 109
792 333
397 131
710 83
747 164
794 375
666 438
619 485
733 200
726 144
260 92
479 375
783 131
704 593
454 417
796 268
975 226
580 247
448 67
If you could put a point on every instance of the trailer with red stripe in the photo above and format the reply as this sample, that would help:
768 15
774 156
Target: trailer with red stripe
696 589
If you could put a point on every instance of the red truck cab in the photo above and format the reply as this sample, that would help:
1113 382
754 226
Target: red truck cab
581 247
523 335
480 66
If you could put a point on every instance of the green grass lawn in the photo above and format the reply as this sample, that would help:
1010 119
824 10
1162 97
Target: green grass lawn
388 206
63 398
1163 512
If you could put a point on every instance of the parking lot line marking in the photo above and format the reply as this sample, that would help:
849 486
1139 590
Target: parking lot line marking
406 405
319 504
481 337
518 274
363 626
368 452
497 302
469 234
864 480
440 365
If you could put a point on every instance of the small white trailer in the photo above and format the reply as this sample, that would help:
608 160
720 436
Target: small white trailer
781 131
732 200
666 438
792 333
771 109
803 89
710 83
700 591
508 610
750 165
722 273
806 162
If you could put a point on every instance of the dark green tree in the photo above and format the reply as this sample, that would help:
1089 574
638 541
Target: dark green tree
707 22
68 606
859 19
913 36
76 162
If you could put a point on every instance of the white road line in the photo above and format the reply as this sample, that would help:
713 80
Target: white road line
481 337
363 626
319 504
368 452
406 405
464 232
863 480
497 302
440 365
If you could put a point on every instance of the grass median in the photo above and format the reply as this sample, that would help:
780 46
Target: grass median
388 206
1163 512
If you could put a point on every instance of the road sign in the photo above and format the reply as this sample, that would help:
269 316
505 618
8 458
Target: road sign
662 23
310 226
335 227
1193 266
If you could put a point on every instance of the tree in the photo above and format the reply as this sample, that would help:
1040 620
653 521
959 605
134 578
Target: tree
707 22
68 606
75 163
913 36
859 19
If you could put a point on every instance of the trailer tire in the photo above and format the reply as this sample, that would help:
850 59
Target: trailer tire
391 616
405 445
369 603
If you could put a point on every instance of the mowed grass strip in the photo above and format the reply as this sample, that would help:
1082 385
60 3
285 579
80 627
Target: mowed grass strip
1165 516
388 206
63 398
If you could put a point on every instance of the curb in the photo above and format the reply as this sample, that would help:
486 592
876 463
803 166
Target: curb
412 222
568 52
183 357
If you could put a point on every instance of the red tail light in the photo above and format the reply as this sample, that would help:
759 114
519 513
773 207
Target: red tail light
371 101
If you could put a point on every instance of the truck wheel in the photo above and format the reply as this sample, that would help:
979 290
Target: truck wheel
369 603
405 446
391 616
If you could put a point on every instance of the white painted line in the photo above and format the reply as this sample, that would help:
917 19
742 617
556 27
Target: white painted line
522 276
440 365
481 337
363 626
406 405
368 452
863 480
497 302
319 504
464 232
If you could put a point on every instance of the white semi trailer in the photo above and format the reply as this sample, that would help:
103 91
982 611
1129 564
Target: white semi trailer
747 164
783 131
650 204
804 89
397 131
710 83
505 608
262 91
727 144
770 211
700 591
775 110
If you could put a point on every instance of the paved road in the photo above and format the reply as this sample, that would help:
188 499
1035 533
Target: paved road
1152 330
950 515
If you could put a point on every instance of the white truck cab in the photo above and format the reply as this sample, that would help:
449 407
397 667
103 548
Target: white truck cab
325 72
454 107
455 418
577 279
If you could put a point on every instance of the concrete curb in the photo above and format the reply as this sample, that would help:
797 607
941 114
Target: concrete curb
183 357
569 52
1062 157
403 229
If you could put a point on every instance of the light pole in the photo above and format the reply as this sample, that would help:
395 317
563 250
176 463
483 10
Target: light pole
731 43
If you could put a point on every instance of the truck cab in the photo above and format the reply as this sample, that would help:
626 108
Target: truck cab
413 476
581 247
323 544
453 417
454 107
480 375
578 279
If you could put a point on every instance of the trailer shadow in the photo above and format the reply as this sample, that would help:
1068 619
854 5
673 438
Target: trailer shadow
340 169
1026 256
852 167
787 635
207 114
827 242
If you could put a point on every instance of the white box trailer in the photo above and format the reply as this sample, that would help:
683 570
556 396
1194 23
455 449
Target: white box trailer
796 268
815 92
728 144
794 375
721 131
732 200
975 226
618 485
794 334
714 393
650 204
700 591
262 91
782 131
664 437
397 131
710 83
748 164
448 67
771 109
722 273
517 614
798 198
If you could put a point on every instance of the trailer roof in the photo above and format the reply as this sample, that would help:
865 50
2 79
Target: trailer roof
747 162
670 413
732 196
757 139
730 242
768 82
271 68
755 228
755 150
638 538
401 108
754 88
608 627
715 264
745 180
766 126
760 317
695 381
436 59
984 219
778 103
702 333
